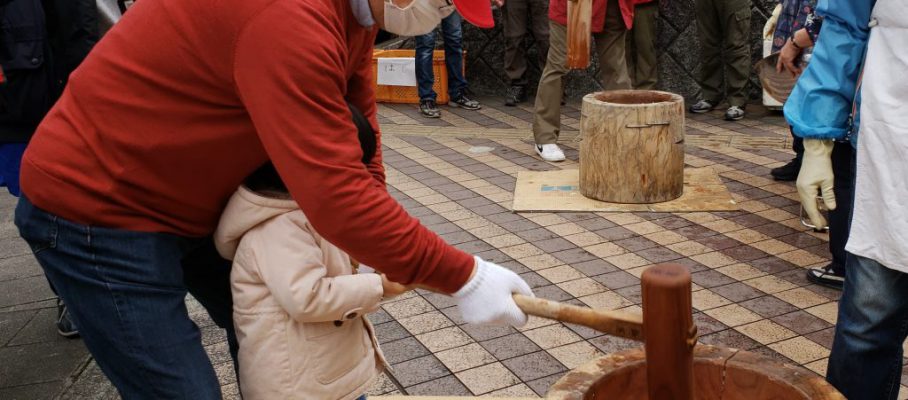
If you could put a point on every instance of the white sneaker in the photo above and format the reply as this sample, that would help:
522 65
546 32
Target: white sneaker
550 152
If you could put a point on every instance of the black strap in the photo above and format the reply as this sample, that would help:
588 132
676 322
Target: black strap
367 140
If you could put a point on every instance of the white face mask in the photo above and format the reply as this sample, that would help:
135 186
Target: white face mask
418 18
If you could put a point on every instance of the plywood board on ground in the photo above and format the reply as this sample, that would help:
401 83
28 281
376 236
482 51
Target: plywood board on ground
559 191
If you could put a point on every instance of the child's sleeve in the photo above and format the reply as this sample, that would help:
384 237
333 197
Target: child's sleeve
290 264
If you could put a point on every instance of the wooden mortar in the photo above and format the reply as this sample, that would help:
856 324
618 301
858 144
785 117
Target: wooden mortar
633 146
672 368
719 373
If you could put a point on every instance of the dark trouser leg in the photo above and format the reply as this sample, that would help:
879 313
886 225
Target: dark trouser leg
452 31
547 109
866 358
610 50
641 51
839 219
736 25
797 144
425 76
514 16
207 277
125 291
539 24
711 35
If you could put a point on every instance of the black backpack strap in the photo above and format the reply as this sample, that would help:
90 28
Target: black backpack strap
367 140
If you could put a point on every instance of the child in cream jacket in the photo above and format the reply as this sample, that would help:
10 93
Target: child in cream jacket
298 303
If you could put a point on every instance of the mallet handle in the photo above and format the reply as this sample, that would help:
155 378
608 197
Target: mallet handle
672 333
615 323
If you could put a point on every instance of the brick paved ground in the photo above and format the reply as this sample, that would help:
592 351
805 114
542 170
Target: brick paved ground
748 266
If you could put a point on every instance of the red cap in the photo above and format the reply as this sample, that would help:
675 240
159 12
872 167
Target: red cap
476 12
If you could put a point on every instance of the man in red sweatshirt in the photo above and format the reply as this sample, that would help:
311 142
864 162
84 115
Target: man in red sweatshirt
125 179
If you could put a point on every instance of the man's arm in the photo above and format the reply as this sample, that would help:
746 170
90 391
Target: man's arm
290 64
361 92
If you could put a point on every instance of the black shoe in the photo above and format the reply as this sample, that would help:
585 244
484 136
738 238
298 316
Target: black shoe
826 276
465 103
702 106
516 94
787 172
429 109
65 325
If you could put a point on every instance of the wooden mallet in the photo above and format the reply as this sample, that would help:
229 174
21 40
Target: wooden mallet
666 327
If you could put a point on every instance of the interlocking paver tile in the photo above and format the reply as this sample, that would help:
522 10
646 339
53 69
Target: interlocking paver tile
766 331
801 298
427 322
444 339
605 301
730 338
534 365
711 279
801 322
487 378
737 292
800 349
560 274
552 292
768 306
827 312
594 267
408 307
617 280
552 336
510 346
704 300
733 315
466 357
447 385
402 350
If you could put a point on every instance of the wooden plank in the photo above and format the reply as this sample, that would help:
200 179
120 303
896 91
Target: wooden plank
539 191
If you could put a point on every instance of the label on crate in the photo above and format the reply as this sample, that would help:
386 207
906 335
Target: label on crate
397 71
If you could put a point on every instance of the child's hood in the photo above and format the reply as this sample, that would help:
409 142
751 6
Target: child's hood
246 210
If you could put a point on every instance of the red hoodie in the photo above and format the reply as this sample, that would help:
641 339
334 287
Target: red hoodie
183 99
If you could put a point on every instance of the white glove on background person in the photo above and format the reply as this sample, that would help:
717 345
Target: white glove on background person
816 176
486 298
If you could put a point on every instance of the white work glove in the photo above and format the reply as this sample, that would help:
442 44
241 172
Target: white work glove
816 176
770 28
486 297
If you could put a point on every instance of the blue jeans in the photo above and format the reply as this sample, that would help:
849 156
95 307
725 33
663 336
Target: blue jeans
126 292
452 33
10 160
866 359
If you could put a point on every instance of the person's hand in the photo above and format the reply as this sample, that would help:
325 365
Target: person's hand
787 57
487 297
391 288
816 176
498 3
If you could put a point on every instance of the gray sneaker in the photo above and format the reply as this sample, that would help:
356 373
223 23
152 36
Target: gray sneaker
734 113
465 102
702 106
429 109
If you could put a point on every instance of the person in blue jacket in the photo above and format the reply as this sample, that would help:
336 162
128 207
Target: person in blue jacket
856 79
